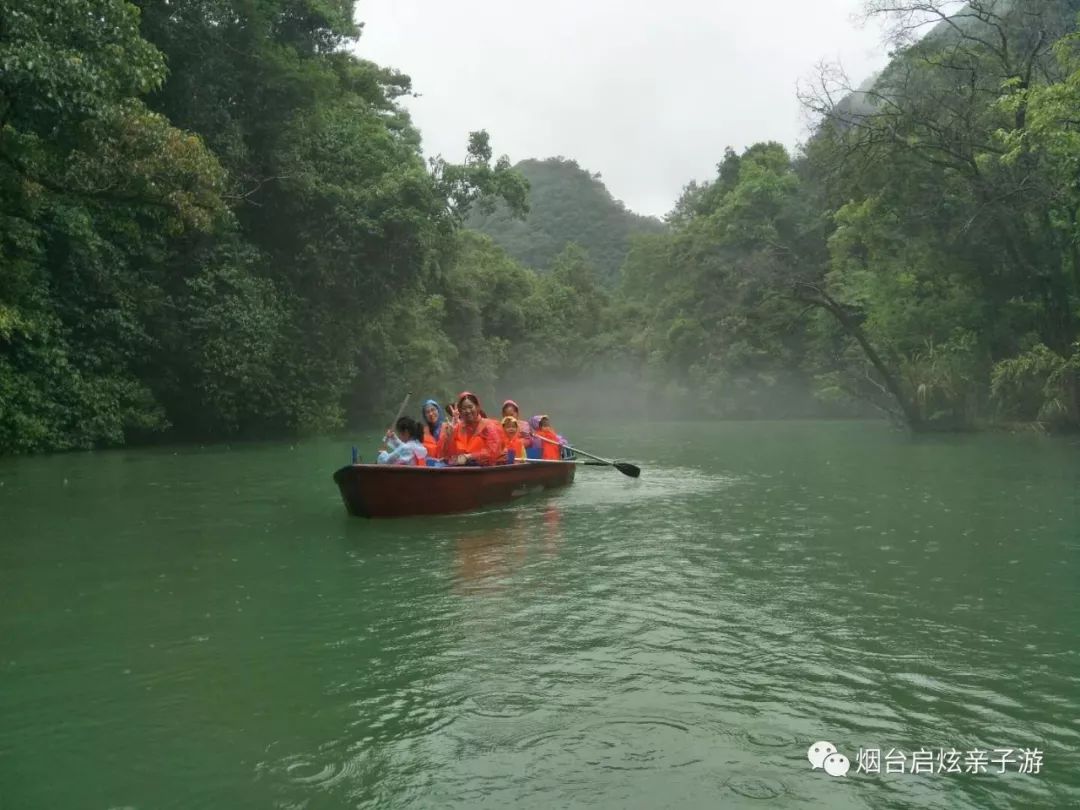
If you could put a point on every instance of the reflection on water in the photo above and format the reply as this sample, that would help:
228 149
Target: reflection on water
485 560
552 530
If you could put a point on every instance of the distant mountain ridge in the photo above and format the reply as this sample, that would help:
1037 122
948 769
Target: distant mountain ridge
967 21
567 204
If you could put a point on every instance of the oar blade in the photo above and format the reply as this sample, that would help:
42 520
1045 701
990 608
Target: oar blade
628 469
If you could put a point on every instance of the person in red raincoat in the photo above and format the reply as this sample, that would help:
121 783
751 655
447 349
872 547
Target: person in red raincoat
473 439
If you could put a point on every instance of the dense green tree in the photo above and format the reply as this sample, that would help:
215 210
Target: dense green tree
1043 380
715 320
920 254
326 178
946 252
216 219
150 281
95 193
489 323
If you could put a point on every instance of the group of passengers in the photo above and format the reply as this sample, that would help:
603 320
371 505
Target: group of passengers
463 435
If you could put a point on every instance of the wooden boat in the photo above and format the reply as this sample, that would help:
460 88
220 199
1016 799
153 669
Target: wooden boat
383 490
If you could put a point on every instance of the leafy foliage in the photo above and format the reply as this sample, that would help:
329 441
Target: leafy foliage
94 191
215 220
204 203
922 254
566 204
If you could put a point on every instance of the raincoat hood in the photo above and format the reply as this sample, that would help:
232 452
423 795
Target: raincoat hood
479 407
534 422
510 402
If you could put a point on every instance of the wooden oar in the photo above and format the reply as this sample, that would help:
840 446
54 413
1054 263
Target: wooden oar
566 461
400 411
626 469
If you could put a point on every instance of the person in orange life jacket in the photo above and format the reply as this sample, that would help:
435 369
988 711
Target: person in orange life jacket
510 408
550 452
405 446
434 423
474 439
512 438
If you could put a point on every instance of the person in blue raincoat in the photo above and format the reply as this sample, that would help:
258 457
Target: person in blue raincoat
433 422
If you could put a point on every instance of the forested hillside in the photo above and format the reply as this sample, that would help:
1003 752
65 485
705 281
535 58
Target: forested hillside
566 204
211 216
922 254
215 220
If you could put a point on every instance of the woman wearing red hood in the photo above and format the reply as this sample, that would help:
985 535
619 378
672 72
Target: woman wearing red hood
473 439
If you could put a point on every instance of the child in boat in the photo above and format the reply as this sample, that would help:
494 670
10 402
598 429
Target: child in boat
512 438
510 408
534 448
551 449
406 446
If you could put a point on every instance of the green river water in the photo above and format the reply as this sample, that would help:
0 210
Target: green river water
207 628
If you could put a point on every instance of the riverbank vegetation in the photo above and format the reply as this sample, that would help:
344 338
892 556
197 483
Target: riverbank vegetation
216 220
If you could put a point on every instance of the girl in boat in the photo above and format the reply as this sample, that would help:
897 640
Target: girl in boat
510 408
473 439
551 441
536 449
512 441
405 447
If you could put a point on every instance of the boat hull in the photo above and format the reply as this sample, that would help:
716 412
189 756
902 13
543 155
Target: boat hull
377 490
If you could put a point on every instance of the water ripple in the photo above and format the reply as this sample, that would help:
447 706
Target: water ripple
675 641
753 787
624 744
503 704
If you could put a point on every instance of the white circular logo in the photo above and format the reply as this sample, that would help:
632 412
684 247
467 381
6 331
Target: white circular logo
836 765
817 752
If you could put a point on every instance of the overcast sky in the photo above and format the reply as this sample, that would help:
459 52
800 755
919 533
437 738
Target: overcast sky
646 93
